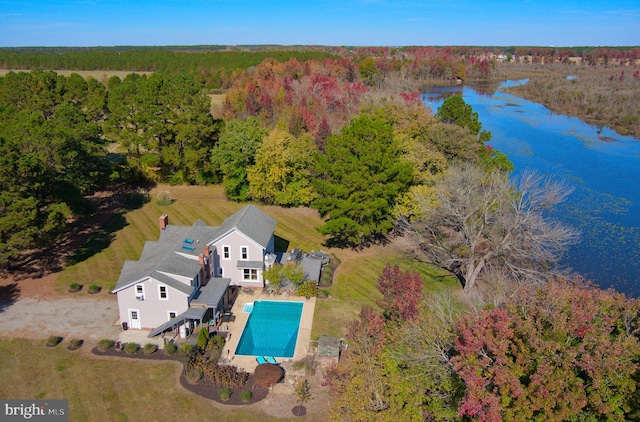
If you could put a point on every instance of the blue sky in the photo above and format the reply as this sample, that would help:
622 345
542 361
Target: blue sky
326 22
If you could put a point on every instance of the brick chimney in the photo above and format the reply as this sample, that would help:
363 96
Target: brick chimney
163 221
203 259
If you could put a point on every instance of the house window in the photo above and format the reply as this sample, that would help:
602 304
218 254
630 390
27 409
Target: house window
172 315
250 274
139 292
163 292
225 252
220 272
244 253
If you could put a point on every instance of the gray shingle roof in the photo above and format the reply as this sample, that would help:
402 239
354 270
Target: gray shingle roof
178 247
178 285
252 222
166 255
191 313
249 264
211 294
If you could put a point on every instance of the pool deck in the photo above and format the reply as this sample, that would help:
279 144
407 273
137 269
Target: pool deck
249 363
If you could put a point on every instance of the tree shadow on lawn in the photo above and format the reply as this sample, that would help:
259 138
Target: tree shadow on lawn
87 235
8 295
95 233
98 240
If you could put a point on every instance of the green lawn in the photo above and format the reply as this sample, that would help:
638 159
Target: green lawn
120 390
355 286
355 279
296 225
108 389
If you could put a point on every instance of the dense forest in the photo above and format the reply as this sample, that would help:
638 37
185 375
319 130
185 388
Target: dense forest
343 131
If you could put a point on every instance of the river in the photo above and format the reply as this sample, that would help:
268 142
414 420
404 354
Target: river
602 166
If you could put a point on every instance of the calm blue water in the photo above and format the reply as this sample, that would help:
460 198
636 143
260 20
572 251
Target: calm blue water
603 168
272 329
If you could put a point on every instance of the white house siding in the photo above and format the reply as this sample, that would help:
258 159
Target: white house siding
235 240
151 311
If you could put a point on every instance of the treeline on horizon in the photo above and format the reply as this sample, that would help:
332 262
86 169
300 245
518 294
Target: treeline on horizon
216 58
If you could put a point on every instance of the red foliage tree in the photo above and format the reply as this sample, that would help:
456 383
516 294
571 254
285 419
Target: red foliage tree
401 293
301 94
565 350
321 135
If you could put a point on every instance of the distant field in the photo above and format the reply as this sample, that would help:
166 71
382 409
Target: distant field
100 75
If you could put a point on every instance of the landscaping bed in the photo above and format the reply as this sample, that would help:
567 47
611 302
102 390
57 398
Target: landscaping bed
210 391
158 355
203 387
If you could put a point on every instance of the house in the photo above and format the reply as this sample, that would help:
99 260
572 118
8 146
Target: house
184 277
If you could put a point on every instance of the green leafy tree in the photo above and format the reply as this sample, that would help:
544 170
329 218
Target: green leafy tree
455 110
369 72
163 121
203 338
282 171
51 155
309 289
235 152
294 273
193 131
302 390
358 180
274 276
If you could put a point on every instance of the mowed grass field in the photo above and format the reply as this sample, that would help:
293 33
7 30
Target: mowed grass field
355 279
107 389
111 389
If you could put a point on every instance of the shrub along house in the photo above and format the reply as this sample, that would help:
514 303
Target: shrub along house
184 277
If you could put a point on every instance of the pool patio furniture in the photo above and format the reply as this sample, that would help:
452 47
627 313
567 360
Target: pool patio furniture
271 359
260 360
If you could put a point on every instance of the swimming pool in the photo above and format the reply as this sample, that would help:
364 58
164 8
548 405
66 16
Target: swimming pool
271 330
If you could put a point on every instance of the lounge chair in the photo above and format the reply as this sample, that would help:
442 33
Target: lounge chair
271 359
260 360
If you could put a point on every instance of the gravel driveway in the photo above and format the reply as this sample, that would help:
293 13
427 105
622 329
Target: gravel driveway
86 319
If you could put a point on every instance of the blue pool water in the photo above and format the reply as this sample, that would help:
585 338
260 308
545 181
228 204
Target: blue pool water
271 330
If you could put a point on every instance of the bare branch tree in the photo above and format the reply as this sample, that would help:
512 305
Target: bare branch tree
480 220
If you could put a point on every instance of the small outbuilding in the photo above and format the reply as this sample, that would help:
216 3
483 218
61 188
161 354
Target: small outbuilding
328 351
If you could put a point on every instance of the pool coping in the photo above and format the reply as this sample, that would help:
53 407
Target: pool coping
249 363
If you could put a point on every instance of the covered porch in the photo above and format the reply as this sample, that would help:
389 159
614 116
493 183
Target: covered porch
206 307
